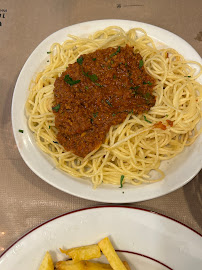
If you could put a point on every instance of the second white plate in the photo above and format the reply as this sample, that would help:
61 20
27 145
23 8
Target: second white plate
145 239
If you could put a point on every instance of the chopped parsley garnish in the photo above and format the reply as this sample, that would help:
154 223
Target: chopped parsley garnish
94 59
21 130
188 76
70 81
114 77
147 96
116 52
121 181
48 52
112 62
95 114
86 87
80 60
135 87
98 84
113 114
56 108
49 127
141 63
166 115
145 118
126 64
55 142
149 83
108 102
92 77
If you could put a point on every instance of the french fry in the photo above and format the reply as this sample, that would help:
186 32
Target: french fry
126 265
81 256
70 265
111 255
47 262
82 265
83 253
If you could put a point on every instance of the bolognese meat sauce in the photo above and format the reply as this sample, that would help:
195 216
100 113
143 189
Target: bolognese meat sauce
99 91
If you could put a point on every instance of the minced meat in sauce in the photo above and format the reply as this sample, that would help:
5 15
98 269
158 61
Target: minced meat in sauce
99 91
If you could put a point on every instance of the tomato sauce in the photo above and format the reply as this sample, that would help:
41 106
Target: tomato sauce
96 92
170 122
160 125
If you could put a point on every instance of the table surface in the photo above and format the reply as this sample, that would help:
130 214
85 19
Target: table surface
26 200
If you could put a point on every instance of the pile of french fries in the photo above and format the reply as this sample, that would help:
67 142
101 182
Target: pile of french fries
81 258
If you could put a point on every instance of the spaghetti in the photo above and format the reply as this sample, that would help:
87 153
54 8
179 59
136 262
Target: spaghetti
135 147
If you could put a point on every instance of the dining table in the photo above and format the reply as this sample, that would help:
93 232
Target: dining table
27 201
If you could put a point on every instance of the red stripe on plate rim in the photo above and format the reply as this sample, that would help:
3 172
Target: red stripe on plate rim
91 208
145 256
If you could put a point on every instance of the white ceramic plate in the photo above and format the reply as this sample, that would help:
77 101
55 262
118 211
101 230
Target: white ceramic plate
179 170
145 239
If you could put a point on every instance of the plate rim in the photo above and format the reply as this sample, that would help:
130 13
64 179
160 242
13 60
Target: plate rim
93 208
74 191
145 256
